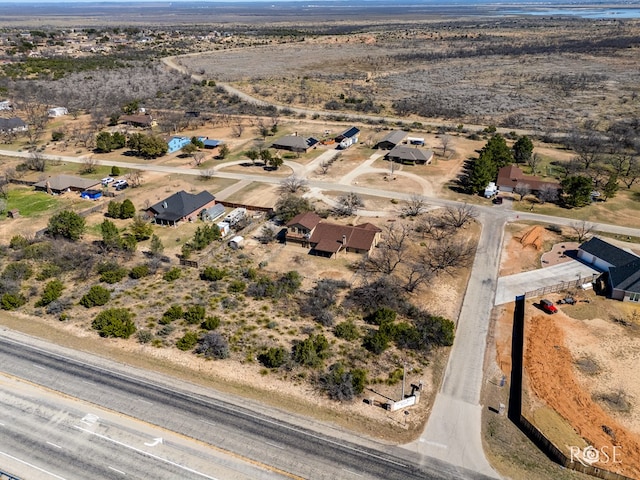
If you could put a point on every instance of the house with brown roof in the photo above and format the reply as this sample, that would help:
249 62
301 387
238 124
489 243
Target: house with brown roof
295 143
511 175
327 239
300 227
143 121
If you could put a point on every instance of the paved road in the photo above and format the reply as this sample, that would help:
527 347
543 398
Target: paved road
255 433
44 435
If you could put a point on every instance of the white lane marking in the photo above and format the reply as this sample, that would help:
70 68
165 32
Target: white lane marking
39 366
352 473
116 470
151 455
436 444
140 381
54 445
88 382
145 401
275 445
154 442
90 419
1 424
33 466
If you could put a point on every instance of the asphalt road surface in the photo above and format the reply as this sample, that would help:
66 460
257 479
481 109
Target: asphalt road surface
263 440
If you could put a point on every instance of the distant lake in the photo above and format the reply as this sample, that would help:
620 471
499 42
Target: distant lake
578 12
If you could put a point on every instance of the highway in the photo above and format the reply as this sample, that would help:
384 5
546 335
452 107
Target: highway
291 447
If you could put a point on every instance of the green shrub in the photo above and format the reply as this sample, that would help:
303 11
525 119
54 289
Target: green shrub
210 323
144 336
343 385
382 315
48 270
376 341
275 357
18 242
113 276
187 341
311 352
139 271
114 322
51 292
11 301
115 171
17 271
213 274
194 314
172 274
95 297
346 330
174 312
236 286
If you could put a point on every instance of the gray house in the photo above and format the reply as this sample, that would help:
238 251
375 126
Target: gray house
409 155
295 143
13 124
391 139
622 268
180 206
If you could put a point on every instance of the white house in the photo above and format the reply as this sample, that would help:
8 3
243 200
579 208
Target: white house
58 112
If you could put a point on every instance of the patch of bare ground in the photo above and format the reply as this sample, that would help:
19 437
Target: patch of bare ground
525 245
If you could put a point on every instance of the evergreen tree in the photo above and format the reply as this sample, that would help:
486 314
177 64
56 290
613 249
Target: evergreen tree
577 190
127 210
111 239
522 149
611 187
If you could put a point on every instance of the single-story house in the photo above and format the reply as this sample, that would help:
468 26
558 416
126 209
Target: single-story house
176 143
328 239
213 213
348 137
621 267
410 155
143 121
295 143
180 206
13 124
67 183
211 144
58 112
300 227
511 175
391 139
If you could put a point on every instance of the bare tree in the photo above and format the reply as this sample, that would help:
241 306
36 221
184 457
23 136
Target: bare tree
588 145
238 129
417 274
36 161
582 230
292 184
547 193
458 217
207 174
415 206
134 178
36 116
199 158
445 141
88 165
445 257
348 204
522 189
391 252
534 162
323 168
267 234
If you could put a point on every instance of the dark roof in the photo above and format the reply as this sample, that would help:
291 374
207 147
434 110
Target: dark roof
626 277
294 142
351 132
328 237
11 123
607 252
308 220
138 119
410 153
211 143
511 175
180 205
394 137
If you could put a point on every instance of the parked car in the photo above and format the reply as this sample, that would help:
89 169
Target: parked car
107 180
120 185
497 200
548 306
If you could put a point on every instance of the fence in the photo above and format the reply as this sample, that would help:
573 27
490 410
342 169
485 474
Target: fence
7 476
188 263
254 208
516 393
559 287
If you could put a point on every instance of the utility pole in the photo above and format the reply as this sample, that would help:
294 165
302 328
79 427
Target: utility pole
404 375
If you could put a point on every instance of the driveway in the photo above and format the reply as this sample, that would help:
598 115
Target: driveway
511 286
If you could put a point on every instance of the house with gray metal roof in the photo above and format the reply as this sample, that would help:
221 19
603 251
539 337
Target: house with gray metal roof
391 139
410 155
295 143
67 183
13 124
